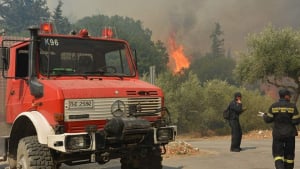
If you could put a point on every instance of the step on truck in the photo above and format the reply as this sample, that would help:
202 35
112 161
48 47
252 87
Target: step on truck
76 99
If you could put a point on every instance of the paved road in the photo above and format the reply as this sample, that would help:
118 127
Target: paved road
256 155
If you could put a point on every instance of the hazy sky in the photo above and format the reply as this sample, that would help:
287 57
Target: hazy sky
193 20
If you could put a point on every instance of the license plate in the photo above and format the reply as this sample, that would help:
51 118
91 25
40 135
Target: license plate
80 104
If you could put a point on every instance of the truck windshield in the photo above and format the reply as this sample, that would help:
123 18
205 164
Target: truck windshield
73 57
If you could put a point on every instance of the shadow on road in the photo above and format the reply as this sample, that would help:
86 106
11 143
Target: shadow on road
166 167
247 148
5 166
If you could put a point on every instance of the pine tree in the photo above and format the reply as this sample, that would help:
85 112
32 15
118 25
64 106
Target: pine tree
217 46
61 23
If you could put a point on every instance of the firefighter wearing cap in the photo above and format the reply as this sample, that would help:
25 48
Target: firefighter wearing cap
285 117
235 109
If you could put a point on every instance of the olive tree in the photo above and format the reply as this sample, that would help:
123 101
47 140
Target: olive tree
273 57
17 15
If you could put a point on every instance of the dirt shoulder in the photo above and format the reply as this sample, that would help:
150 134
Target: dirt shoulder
181 147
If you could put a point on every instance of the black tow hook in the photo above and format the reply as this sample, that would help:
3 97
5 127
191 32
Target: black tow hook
104 158
164 150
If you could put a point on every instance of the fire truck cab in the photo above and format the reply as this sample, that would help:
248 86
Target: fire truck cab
77 99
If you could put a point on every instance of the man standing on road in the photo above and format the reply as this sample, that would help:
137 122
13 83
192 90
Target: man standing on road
285 116
235 109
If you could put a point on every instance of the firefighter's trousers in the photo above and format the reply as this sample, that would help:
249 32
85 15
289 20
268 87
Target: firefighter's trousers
283 150
236 134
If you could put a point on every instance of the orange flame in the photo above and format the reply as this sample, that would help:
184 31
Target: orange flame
177 58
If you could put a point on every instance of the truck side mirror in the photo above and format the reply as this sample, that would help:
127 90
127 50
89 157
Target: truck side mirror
36 88
4 53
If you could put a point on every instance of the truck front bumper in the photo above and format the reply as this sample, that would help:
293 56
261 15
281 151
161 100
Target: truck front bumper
100 140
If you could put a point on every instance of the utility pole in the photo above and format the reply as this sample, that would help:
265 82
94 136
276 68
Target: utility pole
152 75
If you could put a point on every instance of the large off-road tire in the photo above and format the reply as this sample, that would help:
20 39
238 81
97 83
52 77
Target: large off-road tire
12 163
33 155
152 160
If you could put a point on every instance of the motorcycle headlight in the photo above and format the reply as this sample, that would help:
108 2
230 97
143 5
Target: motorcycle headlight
118 108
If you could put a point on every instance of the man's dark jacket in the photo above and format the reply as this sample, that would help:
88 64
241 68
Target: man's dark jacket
285 116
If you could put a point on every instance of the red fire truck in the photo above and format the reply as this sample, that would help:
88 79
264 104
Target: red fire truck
76 99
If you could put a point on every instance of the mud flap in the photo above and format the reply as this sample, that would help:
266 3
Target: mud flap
3 147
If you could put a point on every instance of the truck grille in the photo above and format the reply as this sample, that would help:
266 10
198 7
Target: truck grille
101 108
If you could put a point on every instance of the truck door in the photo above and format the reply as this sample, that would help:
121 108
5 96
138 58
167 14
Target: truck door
18 86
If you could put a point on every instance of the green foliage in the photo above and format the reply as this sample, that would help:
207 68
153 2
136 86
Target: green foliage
61 23
209 68
170 84
187 107
149 53
215 65
215 100
254 102
17 15
198 108
273 56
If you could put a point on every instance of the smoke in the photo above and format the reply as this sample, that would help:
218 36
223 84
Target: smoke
193 20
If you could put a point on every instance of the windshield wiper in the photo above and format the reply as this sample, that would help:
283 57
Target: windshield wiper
61 71
104 73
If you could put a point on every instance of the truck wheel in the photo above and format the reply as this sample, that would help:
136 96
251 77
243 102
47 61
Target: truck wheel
12 163
31 154
152 160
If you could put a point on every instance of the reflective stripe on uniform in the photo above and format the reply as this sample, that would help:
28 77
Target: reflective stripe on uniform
296 116
278 158
289 161
282 110
282 159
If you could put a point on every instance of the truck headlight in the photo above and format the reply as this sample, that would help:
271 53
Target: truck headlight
165 134
77 142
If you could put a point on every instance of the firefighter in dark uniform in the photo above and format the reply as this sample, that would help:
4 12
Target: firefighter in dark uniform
285 117
235 109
